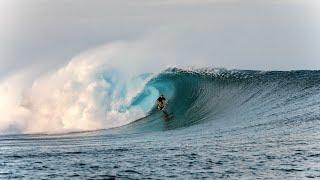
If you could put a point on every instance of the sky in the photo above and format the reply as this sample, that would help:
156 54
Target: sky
236 34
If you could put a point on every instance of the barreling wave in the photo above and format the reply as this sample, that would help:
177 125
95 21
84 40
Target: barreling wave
84 97
230 98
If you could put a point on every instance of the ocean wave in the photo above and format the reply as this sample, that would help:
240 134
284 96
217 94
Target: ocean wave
89 96
231 97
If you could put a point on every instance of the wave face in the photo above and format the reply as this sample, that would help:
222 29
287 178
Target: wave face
236 98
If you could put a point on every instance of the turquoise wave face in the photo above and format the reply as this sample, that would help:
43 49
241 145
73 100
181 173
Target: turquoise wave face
228 98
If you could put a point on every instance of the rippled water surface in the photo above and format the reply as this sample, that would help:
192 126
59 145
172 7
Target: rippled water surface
290 151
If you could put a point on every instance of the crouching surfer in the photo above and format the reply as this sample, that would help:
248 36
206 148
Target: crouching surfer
161 102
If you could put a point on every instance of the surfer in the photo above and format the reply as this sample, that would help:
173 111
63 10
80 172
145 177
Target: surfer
161 101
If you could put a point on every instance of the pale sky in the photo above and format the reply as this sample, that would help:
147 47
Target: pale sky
236 34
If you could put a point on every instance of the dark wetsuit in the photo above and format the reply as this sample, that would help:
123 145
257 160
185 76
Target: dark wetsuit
161 102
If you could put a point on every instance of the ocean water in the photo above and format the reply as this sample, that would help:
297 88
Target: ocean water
219 124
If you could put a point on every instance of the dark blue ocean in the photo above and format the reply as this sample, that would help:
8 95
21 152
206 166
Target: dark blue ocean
227 124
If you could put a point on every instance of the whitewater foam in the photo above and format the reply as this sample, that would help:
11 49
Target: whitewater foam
93 91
